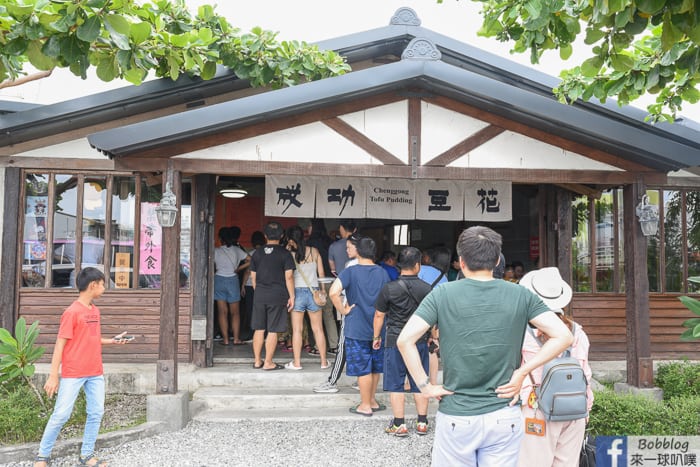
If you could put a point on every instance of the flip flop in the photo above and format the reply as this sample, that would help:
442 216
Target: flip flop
377 409
276 367
258 367
290 366
239 343
354 410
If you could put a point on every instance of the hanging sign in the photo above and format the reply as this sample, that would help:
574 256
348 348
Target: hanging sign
338 197
289 196
151 243
488 201
122 264
439 200
390 198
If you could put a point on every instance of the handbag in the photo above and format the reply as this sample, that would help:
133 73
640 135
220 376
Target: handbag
320 296
587 458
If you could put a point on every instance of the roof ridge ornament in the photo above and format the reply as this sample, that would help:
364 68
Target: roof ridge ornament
421 49
405 16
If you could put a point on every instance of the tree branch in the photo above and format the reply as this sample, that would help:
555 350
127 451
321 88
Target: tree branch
25 79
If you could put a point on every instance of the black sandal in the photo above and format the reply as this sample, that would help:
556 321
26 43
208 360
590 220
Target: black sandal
42 459
314 351
91 457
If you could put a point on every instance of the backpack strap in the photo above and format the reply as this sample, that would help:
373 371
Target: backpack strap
432 286
567 352
403 285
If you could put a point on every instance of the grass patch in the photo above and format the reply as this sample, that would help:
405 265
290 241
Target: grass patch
23 421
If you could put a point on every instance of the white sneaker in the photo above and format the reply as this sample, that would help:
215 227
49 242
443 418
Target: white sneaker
326 387
355 386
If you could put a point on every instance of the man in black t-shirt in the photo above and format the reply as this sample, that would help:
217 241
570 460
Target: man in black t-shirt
396 302
272 272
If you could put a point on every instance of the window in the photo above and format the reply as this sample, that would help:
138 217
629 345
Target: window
401 235
673 254
65 224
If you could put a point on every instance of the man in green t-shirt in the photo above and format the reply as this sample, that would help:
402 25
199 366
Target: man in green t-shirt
482 324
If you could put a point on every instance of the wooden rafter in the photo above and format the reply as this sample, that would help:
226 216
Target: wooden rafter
594 193
362 141
467 144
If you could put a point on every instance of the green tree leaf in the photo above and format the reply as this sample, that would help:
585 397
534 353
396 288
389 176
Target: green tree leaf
90 29
118 29
37 58
591 66
139 32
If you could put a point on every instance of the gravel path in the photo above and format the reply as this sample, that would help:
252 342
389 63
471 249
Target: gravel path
280 443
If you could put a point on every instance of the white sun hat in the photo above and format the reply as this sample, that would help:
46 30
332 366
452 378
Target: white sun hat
549 286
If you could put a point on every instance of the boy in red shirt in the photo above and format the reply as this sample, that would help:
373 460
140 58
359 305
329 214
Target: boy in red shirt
78 351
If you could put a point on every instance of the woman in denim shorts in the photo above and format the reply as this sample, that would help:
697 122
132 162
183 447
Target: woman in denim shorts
309 267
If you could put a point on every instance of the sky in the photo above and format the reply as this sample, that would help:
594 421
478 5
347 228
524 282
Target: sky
317 20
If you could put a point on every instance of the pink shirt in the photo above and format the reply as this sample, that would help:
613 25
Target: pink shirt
579 350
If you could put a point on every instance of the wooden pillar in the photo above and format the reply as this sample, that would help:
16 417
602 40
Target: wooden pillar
639 363
166 374
202 282
564 232
8 262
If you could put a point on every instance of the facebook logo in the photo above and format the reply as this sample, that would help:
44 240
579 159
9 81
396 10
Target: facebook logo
611 451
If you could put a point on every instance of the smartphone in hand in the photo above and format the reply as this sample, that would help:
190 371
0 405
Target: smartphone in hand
121 338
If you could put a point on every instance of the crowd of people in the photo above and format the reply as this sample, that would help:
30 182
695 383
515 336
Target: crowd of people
490 327
396 317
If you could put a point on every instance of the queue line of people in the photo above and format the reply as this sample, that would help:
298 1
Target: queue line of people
389 322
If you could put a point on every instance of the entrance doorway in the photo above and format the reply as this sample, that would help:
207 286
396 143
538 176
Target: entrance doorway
521 235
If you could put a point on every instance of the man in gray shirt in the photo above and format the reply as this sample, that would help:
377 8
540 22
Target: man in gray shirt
337 254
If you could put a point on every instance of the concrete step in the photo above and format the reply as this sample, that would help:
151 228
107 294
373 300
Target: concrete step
276 398
243 375
228 404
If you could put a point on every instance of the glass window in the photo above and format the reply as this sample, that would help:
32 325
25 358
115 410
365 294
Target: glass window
580 245
94 215
122 231
693 225
34 243
185 233
673 239
605 242
401 235
64 230
621 238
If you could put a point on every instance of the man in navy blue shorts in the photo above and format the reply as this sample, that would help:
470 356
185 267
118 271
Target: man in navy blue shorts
362 284
396 303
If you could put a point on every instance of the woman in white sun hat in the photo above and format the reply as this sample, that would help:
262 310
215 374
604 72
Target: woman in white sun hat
562 441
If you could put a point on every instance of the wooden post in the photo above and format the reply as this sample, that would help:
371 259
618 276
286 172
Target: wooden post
639 363
166 374
202 283
8 262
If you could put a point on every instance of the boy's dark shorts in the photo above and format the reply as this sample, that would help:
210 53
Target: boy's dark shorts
270 318
361 359
395 371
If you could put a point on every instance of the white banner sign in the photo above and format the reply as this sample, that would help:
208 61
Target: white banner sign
392 198
340 198
381 198
439 200
488 201
289 196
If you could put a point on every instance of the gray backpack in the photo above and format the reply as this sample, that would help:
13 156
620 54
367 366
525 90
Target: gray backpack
562 394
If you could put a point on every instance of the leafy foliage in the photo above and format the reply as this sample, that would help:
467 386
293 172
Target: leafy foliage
125 40
693 324
679 379
647 46
19 354
615 414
